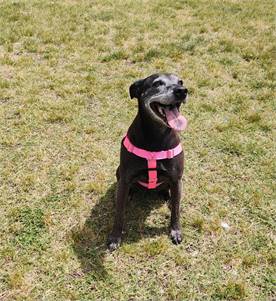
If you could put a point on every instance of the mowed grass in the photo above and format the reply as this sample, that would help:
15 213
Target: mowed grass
65 69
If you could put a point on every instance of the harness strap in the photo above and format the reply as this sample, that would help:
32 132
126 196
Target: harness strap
151 158
152 176
161 155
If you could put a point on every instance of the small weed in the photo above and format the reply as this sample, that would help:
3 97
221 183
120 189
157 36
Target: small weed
231 291
119 55
31 227
154 248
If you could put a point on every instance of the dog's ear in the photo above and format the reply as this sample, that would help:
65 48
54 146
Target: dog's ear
135 89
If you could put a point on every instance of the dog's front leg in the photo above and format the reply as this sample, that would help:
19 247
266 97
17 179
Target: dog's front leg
176 189
114 238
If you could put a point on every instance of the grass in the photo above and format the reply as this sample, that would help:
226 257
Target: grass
65 69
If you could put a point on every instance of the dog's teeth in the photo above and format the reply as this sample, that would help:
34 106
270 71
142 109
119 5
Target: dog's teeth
160 110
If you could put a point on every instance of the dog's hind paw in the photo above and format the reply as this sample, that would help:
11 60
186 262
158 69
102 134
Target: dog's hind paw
176 236
165 195
113 243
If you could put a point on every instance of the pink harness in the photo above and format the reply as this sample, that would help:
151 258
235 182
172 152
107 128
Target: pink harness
151 158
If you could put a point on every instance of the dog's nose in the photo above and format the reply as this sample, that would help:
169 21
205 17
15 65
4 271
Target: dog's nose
180 93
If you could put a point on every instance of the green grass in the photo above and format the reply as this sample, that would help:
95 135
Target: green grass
65 69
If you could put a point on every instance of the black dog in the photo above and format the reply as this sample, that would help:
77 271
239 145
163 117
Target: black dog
151 154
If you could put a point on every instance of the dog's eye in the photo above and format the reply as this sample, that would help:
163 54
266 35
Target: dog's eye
180 82
158 83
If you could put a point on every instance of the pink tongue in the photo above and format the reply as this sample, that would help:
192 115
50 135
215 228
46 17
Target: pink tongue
175 120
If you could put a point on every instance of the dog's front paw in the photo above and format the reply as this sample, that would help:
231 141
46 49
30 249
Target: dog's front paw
113 242
176 236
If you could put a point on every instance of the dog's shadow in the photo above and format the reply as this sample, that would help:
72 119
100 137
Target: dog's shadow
89 242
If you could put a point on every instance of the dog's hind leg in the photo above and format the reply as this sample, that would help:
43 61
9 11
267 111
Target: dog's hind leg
165 195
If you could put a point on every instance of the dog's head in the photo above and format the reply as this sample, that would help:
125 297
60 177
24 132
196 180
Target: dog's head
160 95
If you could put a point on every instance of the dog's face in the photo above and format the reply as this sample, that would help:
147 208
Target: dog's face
161 96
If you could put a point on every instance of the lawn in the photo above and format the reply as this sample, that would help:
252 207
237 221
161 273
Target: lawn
65 69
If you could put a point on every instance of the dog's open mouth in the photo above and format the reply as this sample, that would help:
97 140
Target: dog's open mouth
170 115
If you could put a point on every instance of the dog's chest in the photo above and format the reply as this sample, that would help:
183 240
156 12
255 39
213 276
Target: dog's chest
163 169
150 168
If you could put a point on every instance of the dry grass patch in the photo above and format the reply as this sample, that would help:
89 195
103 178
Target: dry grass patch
65 69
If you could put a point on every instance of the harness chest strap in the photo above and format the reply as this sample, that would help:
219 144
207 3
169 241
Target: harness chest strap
151 158
152 176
